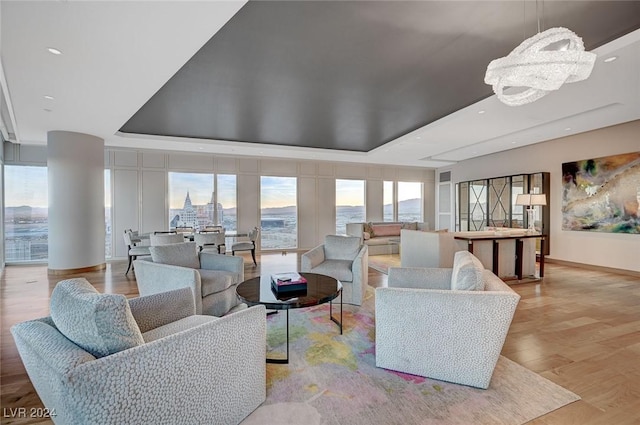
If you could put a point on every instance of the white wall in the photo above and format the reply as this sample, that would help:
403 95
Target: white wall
140 188
621 251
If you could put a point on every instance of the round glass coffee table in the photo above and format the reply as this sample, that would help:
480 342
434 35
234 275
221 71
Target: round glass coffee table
320 289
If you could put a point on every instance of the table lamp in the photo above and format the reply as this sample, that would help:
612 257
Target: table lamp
530 200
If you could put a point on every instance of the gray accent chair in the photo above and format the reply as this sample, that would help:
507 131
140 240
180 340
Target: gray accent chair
248 245
212 277
133 250
344 258
444 323
185 368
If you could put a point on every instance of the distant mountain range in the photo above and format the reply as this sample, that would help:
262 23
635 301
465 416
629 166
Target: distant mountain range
407 205
26 212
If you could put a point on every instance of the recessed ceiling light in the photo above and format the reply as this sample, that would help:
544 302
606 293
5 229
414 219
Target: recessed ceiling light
418 137
513 143
610 59
567 129
54 51
201 149
48 97
482 111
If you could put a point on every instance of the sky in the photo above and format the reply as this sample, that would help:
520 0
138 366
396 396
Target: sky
278 192
200 188
349 192
26 186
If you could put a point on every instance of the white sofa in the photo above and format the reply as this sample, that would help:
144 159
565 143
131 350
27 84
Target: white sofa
382 238
444 323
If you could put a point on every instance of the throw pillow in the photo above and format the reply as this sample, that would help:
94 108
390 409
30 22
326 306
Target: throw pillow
467 272
176 254
368 227
101 324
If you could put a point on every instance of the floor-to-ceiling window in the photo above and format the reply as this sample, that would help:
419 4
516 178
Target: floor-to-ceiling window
26 213
195 202
108 239
410 201
388 204
225 209
278 212
350 203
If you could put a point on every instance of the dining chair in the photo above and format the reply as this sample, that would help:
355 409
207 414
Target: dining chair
184 229
165 239
208 241
212 229
133 251
248 246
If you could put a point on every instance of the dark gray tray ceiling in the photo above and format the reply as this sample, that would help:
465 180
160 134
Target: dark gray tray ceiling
353 75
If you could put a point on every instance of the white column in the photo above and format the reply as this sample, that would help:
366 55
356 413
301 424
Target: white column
75 164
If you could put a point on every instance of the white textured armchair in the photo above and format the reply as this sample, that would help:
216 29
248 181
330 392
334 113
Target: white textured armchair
446 324
213 278
344 258
100 359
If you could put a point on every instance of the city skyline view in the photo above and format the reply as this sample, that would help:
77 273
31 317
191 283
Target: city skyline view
26 211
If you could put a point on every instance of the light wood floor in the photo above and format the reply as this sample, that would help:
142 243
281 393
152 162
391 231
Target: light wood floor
578 328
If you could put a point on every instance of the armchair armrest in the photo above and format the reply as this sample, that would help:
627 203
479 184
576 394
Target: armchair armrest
213 261
360 270
312 258
141 381
419 278
153 278
157 310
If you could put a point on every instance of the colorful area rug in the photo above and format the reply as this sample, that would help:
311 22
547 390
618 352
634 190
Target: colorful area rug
332 379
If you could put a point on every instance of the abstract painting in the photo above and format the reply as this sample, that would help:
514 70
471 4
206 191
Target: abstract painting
602 194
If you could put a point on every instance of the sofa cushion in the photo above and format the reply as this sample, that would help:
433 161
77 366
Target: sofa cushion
387 229
337 269
101 324
467 272
177 326
214 281
176 254
341 247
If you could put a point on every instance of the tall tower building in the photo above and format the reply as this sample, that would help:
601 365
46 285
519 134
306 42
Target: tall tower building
189 216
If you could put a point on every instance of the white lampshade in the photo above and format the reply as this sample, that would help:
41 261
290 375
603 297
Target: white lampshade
524 199
538 199
529 199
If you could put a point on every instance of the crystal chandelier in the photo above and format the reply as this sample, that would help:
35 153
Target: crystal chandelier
539 66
